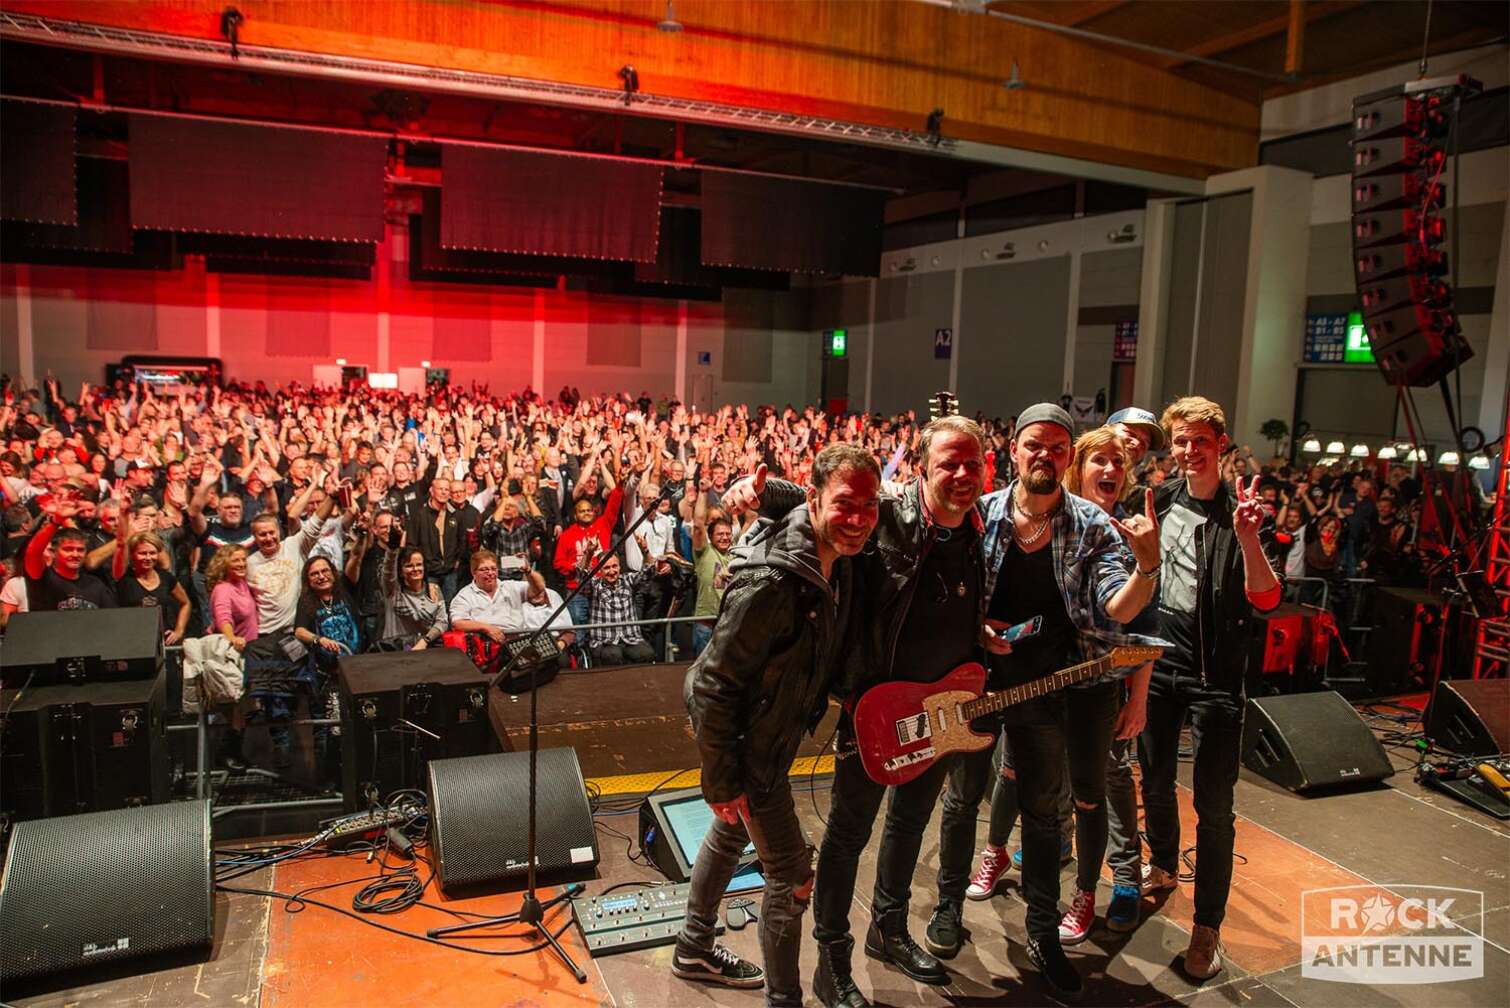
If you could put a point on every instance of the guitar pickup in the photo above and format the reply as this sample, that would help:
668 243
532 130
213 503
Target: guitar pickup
913 729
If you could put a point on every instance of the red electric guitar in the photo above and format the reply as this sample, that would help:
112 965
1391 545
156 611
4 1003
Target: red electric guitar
903 728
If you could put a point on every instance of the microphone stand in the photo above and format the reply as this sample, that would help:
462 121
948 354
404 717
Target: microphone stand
531 910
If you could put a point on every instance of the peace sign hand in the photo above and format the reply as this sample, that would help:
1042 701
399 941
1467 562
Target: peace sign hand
1248 515
1142 534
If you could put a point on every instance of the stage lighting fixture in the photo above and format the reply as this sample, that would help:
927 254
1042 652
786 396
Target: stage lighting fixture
340 361
631 79
1311 446
1359 451
424 363
670 25
1335 448
1387 453
231 21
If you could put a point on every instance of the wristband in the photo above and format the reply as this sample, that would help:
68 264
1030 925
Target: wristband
1152 575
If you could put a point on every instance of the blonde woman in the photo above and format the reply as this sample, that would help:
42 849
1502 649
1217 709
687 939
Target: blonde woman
233 599
141 581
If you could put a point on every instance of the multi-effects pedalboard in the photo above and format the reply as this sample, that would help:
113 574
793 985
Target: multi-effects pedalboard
641 918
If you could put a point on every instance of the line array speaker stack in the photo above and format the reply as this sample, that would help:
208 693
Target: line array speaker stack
1398 157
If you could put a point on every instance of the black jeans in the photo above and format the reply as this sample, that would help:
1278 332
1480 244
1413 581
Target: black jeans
622 654
852 815
1216 728
1073 727
787 861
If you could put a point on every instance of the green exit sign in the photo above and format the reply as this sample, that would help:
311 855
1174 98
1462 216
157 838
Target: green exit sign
1358 350
838 342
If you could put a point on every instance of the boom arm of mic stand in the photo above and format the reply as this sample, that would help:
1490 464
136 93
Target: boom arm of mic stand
582 583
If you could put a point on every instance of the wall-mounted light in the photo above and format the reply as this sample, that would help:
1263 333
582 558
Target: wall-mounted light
935 261
1007 251
906 267
1043 246
1128 233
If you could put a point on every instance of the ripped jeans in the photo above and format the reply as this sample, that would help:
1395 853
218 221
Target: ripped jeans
1071 728
787 861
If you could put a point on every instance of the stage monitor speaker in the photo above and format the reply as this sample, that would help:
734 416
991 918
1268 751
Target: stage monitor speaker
672 826
479 818
89 748
82 645
1470 717
1311 740
1403 643
402 709
102 887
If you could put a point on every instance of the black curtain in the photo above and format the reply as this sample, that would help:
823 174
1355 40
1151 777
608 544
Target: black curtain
36 163
269 181
498 200
784 224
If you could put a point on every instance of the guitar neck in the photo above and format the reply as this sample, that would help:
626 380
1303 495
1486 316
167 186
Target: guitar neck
994 702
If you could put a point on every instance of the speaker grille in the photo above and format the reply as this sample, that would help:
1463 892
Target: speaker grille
479 816
1310 740
105 886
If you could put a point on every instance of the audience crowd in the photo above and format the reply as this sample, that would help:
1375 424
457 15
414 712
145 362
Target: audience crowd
358 519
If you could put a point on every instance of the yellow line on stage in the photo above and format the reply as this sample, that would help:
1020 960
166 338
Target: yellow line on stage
642 783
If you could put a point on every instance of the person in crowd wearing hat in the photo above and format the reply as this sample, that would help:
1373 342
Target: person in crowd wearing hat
1057 558
1141 434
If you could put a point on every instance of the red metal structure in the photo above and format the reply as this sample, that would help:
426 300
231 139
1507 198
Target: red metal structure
1491 647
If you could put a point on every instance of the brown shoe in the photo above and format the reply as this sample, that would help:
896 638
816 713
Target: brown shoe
1203 959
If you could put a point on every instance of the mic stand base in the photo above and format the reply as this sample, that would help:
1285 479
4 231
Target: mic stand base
532 912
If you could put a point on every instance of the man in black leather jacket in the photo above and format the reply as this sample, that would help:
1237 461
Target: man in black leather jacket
924 611
762 682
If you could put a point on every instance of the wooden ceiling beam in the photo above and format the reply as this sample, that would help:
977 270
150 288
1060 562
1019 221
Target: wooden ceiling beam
1261 30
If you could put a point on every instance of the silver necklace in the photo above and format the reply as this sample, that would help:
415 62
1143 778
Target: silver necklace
1043 524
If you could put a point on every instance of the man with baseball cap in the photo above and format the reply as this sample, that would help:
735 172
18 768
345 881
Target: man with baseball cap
1057 559
1141 434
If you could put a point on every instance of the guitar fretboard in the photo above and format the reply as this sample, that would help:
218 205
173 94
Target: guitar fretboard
993 702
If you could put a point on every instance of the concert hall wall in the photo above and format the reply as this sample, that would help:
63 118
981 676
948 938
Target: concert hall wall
277 328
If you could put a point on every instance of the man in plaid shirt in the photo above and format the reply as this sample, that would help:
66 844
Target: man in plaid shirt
612 595
514 537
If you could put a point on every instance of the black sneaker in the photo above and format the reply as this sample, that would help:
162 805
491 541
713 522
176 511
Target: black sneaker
1057 970
715 965
946 930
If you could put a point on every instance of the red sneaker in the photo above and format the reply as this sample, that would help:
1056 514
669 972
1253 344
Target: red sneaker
1076 925
993 862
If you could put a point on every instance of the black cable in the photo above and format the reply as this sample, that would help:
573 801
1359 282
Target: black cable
294 897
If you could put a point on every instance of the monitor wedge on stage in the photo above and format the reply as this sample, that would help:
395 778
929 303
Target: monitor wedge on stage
1305 741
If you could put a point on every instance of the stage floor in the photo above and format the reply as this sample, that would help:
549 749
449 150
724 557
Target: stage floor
1397 833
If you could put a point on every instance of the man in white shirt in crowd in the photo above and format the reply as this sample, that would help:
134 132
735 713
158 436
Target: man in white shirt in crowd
502 609
275 568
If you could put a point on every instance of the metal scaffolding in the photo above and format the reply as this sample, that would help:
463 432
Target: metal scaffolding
1491 645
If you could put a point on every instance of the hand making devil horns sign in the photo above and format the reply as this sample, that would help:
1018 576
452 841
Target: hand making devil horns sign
1142 534
1248 515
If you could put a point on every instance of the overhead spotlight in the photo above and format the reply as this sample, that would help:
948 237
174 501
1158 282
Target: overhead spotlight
1128 232
1479 462
1335 448
1416 455
340 362
1359 451
631 79
1311 446
1448 458
1388 453
1014 82
935 126
424 364
670 25
231 21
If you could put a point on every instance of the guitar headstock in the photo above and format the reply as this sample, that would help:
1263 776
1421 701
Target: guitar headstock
942 404
1127 655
